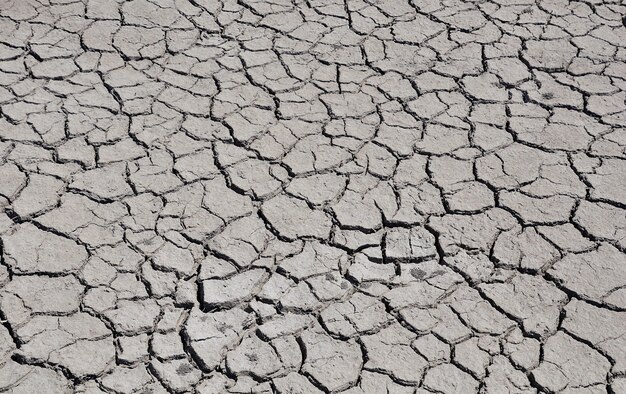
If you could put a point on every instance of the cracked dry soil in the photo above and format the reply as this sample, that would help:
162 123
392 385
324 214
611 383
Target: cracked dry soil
321 196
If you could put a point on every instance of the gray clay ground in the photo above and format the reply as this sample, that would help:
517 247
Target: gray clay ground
321 196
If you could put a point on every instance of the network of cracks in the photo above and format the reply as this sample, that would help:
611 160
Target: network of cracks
313 196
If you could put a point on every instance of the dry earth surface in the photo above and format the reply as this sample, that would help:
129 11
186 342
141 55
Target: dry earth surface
321 196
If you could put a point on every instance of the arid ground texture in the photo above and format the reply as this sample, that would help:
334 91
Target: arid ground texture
313 196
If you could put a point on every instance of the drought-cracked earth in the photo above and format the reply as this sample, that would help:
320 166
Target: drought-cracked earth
320 196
